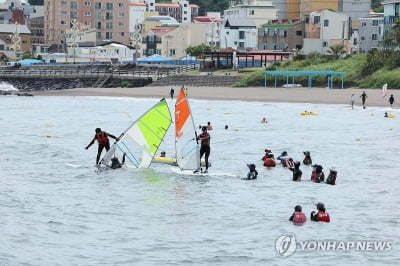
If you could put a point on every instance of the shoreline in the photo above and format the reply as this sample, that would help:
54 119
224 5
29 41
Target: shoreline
259 94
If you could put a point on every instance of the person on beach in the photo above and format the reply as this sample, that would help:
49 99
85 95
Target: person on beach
363 97
226 127
115 163
264 120
209 126
270 161
352 100
171 93
386 114
283 157
298 217
162 154
204 139
102 140
391 100
307 158
252 174
322 215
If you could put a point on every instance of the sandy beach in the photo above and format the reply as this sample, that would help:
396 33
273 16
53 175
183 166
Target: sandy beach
305 95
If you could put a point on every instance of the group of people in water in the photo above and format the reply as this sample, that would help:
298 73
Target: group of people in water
317 174
299 217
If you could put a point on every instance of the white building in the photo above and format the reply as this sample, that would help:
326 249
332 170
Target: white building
239 33
326 28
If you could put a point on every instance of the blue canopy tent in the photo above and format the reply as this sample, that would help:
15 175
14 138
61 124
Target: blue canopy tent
155 58
25 62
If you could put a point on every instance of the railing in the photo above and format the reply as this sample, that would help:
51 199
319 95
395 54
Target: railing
95 71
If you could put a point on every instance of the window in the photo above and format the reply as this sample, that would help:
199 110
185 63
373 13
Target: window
324 44
121 24
88 14
374 37
97 15
98 35
2 47
109 15
87 4
121 4
364 24
241 34
121 34
109 25
74 14
171 52
317 19
241 44
74 4
88 23
63 3
109 6
97 5
63 12
121 14
109 35
362 38
375 23
326 23
299 33
251 12
63 22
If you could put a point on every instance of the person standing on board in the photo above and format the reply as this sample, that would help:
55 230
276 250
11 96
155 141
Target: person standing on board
103 141
204 139
363 98
391 100
171 93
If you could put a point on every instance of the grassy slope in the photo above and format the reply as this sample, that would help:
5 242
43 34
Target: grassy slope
351 65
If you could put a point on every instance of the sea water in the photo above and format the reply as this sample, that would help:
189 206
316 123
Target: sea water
56 209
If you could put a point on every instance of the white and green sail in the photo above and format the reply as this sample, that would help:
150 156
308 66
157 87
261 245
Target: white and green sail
140 141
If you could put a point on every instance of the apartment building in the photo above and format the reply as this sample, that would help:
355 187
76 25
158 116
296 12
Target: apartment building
109 18
282 34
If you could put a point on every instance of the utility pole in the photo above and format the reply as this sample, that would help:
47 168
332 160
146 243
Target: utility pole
16 41
75 29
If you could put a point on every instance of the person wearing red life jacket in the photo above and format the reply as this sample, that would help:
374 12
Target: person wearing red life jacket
298 217
269 161
321 215
317 174
204 139
267 152
102 140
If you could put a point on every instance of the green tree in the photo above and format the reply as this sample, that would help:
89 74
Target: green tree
198 50
336 51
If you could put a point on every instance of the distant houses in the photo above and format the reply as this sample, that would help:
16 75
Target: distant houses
147 27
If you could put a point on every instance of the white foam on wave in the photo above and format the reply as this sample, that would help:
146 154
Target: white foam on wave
4 86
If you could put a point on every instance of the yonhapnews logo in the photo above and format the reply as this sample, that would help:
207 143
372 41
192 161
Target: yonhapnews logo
286 245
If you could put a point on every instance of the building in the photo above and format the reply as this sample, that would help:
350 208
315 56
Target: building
371 33
326 28
391 11
212 23
16 40
239 33
110 19
172 41
282 34
260 11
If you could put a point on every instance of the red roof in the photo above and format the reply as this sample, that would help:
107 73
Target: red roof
161 30
206 19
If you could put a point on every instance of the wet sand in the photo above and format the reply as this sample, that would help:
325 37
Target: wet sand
301 95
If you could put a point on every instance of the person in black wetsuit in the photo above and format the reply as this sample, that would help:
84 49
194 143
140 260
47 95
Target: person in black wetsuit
204 139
